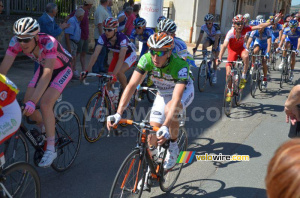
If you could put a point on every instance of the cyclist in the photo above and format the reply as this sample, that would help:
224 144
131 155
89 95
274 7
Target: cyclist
124 52
49 80
234 40
247 22
175 92
141 33
213 39
158 20
262 42
291 37
10 111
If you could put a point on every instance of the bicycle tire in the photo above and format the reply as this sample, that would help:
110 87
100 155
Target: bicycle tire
282 77
259 81
14 146
66 138
274 61
19 187
238 93
90 134
253 85
202 76
227 105
176 170
131 178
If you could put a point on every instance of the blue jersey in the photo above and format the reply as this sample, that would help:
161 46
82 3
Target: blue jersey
275 32
180 47
143 37
293 37
263 38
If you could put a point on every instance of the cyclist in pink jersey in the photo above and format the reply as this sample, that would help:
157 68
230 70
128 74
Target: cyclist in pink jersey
48 82
234 40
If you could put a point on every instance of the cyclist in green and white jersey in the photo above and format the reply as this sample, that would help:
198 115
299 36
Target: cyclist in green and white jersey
170 74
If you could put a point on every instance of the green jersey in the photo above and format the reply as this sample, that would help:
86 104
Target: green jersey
165 79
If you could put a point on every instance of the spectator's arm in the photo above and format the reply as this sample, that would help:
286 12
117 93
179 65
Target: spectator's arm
56 31
291 109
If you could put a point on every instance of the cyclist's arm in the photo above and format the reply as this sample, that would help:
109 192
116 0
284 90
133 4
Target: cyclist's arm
135 80
120 60
44 80
6 64
216 41
298 46
199 40
269 44
280 34
223 48
282 41
175 103
249 42
94 57
260 26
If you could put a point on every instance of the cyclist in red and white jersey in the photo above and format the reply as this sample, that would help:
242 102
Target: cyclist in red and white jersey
234 40
49 80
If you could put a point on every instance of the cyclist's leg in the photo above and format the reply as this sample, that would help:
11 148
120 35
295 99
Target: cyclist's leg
112 68
206 44
129 61
293 55
232 56
245 57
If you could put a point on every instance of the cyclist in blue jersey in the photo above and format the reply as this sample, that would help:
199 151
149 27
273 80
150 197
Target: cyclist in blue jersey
277 31
262 42
291 37
141 33
213 39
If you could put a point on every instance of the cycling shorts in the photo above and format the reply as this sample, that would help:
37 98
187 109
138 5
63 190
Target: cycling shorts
158 109
211 43
10 120
294 43
130 59
233 55
274 38
60 78
262 47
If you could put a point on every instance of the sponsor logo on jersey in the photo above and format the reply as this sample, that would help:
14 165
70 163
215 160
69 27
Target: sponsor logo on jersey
157 113
12 42
65 76
124 43
143 62
167 76
100 41
183 73
49 45
9 82
3 95
156 73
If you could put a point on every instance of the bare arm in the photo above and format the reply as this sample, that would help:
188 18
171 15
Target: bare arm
282 41
280 34
199 40
6 64
298 46
291 109
260 26
223 48
269 44
216 41
120 60
44 80
249 42
94 57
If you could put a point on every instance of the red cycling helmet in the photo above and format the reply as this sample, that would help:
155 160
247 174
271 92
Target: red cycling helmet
238 18
110 23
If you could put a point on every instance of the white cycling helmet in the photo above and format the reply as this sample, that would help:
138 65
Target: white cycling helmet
260 17
166 25
26 26
209 17
247 16
160 41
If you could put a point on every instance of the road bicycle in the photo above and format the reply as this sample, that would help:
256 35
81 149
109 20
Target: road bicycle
257 75
286 69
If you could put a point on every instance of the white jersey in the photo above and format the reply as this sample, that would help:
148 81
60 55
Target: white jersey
214 31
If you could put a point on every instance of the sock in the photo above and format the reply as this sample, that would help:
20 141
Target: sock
244 76
51 143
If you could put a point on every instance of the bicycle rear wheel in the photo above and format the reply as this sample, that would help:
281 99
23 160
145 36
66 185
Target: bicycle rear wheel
67 140
132 170
94 117
202 76
254 83
20 180
227 105
282 77
273 61
169 177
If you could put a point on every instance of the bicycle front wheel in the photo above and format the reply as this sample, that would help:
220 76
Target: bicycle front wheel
20 180
253 87
169 177
227 104
94 117
237 91
67 140
130 175
202 76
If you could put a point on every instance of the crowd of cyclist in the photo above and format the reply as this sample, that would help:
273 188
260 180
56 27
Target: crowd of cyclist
163 55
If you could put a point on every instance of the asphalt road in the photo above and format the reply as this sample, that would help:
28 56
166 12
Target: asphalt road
256 128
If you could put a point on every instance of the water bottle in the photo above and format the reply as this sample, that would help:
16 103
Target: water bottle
153 152
37 135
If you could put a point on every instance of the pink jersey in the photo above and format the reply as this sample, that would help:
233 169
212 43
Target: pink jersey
49 48
234 43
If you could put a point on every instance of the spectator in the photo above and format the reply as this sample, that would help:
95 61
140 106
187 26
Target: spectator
123 18
129 24
136 10
100 15
48 24
281 20
110 4
282 178
291 109
127 4
83 45
1 6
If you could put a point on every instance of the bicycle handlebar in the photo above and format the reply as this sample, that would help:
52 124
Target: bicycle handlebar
140 124
237 62
99 75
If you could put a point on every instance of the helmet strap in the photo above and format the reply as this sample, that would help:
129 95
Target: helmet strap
112 36
34 46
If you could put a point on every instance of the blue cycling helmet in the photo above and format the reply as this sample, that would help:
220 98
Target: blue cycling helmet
253 23
293 23
261 21
139 22
160 18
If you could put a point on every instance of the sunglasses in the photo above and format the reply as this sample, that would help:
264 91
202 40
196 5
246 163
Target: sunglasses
209 23
158 53
108 30
239 24
24 40
139 28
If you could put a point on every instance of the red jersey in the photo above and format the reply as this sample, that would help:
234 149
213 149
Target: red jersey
8 91
234 43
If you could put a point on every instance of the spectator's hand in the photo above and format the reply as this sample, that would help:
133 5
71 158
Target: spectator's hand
113 120
277 18
162 135
64 25
29 108
297 52
292 114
